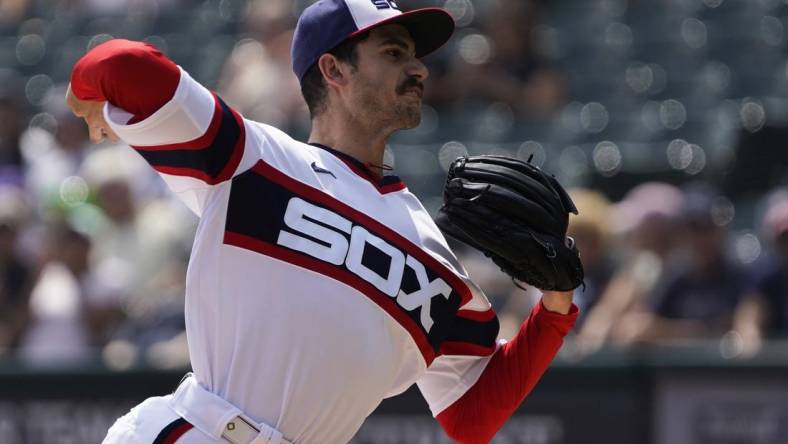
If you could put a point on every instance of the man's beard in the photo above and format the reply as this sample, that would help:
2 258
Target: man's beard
411 113
399 115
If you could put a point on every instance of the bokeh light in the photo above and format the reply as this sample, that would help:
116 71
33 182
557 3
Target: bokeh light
475 49
37 88
753 116
449 152
618 37
694 33
573 161
772 30
747 248
639 77
533 150
722 211
594 117
672 114
607 158
74 191
462 11
30 49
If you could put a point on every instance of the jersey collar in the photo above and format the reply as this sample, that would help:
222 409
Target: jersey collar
385 184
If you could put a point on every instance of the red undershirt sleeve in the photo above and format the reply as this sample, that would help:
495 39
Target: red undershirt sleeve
182 129
133 76
510 375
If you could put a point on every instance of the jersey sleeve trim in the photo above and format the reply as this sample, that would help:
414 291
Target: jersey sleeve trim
195 134
469 337
481 316
213 163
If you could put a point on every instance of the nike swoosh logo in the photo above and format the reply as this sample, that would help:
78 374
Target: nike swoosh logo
318 169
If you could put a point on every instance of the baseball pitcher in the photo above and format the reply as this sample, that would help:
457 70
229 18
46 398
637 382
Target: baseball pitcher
317 286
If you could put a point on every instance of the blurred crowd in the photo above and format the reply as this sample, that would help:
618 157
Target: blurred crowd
93 249
664 268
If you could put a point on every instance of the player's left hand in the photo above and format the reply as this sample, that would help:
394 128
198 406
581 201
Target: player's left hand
93 114
516 215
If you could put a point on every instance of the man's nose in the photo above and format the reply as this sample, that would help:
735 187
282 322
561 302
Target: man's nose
419 70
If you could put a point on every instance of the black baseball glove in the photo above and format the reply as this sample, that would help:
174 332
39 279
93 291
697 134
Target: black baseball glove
516 215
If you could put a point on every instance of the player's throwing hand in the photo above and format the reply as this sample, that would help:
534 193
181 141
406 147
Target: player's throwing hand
93 114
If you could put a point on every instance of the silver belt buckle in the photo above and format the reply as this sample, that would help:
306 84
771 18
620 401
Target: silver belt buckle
240 431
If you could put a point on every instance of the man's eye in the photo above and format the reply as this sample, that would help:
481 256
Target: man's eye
393 52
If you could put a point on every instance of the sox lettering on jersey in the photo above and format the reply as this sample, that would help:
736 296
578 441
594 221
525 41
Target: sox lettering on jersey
300 216
295 223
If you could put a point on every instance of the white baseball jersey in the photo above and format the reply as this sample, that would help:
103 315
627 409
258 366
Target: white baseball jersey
314 291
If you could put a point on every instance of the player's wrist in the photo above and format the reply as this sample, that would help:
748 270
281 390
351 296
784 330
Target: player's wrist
557 301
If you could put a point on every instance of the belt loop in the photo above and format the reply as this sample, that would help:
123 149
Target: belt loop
183 379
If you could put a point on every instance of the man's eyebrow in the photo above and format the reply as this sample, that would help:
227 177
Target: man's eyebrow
396 42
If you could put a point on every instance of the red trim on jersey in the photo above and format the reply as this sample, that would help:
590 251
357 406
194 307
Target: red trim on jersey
464 348
363 171
302 260
199 143
183 171
390 188
238 150
481 316
512 372
261 167
366 175
177 433
174 430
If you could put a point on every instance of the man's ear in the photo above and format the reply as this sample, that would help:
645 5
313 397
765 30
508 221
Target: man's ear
334 71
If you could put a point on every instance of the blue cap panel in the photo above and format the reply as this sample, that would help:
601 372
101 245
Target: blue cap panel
327 23
322 26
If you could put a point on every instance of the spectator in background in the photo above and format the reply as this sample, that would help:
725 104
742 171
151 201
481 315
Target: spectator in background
16 275
58 333
141 248
697 297
117 255
257 78
646 222
507 68
763 313
53 152
12 11
103 8
11 121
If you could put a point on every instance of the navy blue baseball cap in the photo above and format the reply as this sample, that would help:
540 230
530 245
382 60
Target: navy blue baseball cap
327 23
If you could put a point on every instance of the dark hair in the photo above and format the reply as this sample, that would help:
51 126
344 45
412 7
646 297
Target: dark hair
313 85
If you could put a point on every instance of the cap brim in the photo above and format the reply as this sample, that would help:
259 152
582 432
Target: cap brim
430 28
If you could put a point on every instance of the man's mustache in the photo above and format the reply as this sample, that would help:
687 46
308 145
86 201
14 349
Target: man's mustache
409 84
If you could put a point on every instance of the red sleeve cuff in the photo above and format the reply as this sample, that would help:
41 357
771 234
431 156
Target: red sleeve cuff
562 322
133 76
